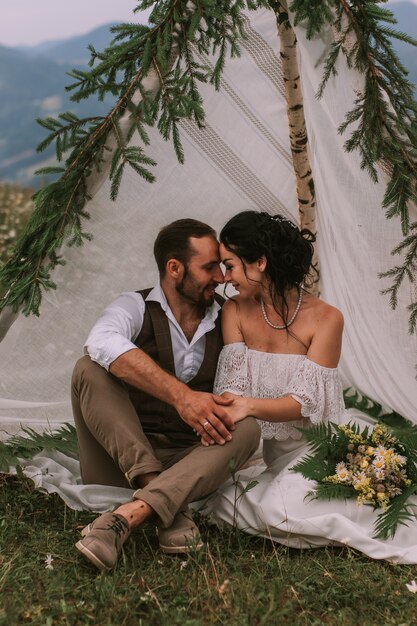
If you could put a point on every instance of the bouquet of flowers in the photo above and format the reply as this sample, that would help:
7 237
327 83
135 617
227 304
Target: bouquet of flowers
376 466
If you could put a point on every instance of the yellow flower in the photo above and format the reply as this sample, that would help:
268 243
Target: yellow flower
364 464
370 450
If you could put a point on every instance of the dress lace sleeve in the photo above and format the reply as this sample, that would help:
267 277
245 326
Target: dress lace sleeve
319 391
232 370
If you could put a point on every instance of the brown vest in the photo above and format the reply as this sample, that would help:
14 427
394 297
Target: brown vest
155 339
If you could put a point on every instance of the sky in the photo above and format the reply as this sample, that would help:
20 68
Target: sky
29 22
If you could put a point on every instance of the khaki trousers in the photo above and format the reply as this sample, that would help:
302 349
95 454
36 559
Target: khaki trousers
114 449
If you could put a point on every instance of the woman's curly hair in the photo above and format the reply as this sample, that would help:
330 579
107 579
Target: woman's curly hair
287 249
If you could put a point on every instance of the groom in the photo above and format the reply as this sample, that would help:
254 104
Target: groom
142 401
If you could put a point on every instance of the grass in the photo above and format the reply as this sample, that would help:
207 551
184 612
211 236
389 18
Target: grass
236 580
15 208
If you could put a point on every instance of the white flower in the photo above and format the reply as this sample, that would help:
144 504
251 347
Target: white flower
379 474
357 478
379 463
342 472
48 561
412 586
183 564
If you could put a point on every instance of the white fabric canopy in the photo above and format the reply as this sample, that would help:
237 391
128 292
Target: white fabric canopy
240 160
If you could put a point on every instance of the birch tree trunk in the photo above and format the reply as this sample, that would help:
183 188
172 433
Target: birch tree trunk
297 131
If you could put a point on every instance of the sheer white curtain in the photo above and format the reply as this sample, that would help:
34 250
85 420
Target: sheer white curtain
240 160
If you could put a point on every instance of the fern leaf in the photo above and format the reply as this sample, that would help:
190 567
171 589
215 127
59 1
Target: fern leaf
312 467
332 491
18 447
397 512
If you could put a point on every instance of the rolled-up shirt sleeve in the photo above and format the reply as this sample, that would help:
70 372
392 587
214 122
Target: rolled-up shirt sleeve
116 329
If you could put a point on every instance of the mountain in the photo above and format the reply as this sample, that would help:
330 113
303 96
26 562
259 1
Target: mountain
32 81
32 85
72 51
406 16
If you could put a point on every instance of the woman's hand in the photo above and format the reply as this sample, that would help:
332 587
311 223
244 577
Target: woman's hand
237 410
239 407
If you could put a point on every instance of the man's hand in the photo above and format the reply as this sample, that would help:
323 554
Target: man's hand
207 415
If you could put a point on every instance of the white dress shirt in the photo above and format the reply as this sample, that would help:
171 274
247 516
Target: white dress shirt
121 322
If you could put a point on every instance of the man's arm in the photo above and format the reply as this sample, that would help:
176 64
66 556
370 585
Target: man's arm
110 344
194 407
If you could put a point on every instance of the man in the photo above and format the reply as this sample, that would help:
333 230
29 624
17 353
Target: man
142 400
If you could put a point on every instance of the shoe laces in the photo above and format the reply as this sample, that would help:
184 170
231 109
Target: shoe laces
118 525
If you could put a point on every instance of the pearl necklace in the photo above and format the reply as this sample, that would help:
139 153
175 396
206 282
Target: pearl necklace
283 326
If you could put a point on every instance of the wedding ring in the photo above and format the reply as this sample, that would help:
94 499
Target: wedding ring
204 424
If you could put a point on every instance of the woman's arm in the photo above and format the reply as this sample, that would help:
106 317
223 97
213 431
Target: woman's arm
324 350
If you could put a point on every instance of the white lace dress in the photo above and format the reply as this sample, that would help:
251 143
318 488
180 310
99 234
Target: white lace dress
277 506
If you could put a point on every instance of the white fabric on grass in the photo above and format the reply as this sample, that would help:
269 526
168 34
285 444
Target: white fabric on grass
55 472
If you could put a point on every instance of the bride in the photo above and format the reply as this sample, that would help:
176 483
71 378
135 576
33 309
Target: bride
279 364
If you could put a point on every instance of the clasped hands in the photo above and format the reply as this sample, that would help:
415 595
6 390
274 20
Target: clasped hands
212 416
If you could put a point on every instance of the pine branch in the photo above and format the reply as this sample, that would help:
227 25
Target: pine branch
178 28
407 270
384 117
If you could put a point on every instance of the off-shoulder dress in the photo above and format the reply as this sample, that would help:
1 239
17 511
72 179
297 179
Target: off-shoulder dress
278 507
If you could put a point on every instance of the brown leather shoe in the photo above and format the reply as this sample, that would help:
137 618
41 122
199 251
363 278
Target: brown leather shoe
182 536
103 543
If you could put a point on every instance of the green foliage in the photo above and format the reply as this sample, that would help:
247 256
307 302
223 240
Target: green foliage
25 446
236 580
384 117
400 427
355 400
329 491
240 490
398 512
15 208
329 445
170 48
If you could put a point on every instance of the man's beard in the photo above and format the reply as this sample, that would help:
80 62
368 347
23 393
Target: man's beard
192 292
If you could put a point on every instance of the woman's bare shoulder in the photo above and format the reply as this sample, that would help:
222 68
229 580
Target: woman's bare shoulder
324 312
326 333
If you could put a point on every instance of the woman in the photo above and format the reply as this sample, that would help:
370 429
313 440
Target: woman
282 347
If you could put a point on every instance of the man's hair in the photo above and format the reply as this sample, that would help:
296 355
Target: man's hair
173 241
